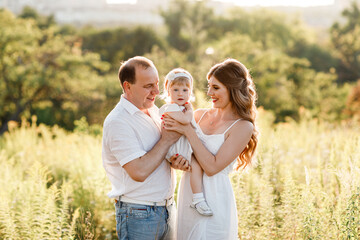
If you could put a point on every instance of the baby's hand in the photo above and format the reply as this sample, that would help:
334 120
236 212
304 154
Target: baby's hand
188 106
179 162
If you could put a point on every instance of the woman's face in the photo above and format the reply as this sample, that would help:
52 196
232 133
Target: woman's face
218 92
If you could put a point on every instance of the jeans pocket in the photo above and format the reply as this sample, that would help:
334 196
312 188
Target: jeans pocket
120 217
139 213
118 225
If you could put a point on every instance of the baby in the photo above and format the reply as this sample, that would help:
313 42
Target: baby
178 88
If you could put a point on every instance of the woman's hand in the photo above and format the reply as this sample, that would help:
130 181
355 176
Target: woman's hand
173 125
169 136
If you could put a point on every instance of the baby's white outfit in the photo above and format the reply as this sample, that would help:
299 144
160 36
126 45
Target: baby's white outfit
182 146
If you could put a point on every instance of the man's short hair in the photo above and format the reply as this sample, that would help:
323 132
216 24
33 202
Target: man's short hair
127 69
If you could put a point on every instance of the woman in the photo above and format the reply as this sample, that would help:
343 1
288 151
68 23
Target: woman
228 136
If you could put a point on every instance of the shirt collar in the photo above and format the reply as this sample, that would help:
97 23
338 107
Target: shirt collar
128 106
132 109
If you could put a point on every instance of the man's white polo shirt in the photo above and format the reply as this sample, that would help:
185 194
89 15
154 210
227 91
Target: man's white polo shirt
128 134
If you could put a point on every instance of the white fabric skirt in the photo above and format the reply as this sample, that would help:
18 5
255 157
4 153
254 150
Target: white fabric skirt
219 194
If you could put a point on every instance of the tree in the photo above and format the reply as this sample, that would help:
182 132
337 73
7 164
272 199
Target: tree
353 101
42 21
284 83
346 42
274 30
115 45
188 25
270 28
174 19
321 57
39 68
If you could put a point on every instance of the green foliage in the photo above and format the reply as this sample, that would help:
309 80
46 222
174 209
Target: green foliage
82 126
353 102
43 72
42 22
116 45
174 19
60 73
188 24
270 28
319 56
284 83
346 43
290 70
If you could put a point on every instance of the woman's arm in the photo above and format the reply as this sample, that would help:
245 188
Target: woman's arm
235 142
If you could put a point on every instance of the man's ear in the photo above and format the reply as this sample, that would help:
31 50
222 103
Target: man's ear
126 87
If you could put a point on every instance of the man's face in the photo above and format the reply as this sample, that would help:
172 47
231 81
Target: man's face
143 92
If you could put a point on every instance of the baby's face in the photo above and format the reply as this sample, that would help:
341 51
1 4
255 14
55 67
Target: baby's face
179 94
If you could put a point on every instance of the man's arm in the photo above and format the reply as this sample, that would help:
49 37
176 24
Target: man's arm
140 168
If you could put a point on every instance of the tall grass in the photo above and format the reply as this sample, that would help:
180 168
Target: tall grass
305 185
53 186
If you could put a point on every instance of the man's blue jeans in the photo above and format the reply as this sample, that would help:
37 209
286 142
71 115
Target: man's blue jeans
135 221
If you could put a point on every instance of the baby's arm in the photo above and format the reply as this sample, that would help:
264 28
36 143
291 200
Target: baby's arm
183 117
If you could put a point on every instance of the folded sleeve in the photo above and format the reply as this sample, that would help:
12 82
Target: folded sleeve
124 144
170 108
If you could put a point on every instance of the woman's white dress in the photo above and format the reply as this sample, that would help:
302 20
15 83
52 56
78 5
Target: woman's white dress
219 195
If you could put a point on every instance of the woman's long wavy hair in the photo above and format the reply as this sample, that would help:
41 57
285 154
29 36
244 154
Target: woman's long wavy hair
236 77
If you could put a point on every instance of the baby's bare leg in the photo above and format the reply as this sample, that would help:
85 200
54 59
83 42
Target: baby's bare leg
196 181
196 176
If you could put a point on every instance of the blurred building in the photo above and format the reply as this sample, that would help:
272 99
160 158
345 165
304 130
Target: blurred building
100 13
95 12
320 16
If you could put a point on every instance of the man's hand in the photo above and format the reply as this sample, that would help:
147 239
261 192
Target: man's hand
169 136
179 162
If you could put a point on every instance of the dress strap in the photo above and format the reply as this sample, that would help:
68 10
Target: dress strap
202 116
231 125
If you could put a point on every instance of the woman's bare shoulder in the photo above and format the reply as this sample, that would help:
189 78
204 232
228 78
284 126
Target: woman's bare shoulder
198 113
243 126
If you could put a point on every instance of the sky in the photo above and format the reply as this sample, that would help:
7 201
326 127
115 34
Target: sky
265 3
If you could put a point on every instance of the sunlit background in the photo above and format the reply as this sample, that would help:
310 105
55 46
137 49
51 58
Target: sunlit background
58 81
304 3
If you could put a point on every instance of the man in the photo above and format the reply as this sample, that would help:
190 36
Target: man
134 149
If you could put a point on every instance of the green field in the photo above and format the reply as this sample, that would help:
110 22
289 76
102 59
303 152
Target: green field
305 185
